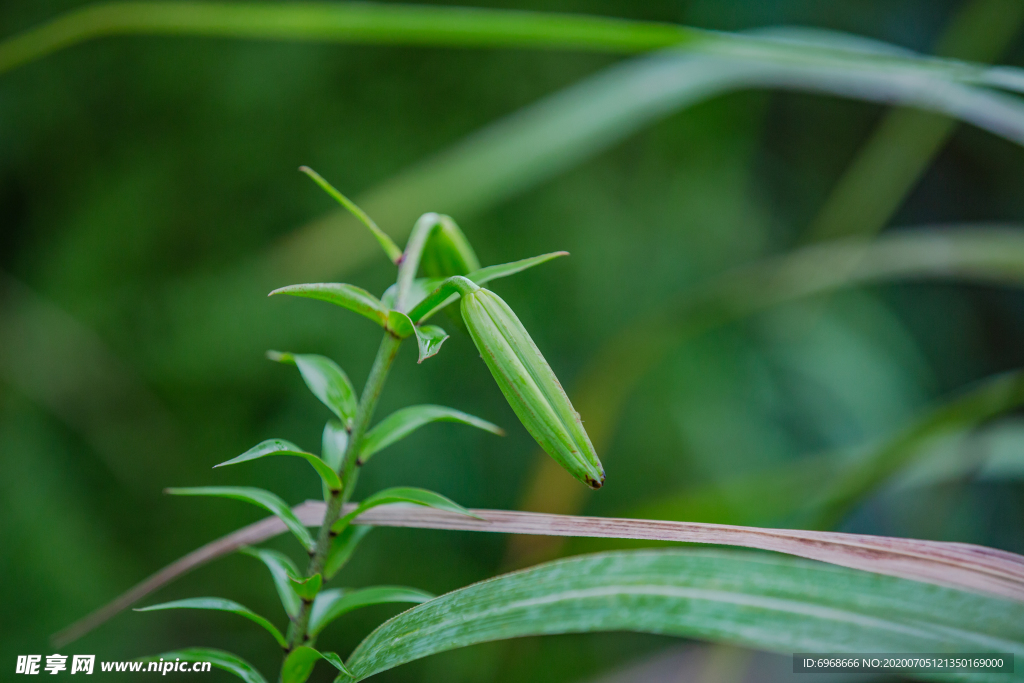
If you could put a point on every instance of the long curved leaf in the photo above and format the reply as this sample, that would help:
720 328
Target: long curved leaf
331 604
347 296
283 571
222 605
264 499
765 602
326 380
405 421
281 447
959 565
403 494
218 658
378 23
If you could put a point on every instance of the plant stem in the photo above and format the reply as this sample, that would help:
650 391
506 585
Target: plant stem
349 473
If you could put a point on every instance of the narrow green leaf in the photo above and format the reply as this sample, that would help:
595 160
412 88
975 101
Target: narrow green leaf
766 602
218 658
333 445
342 548
386 243
429 339
299 663
264 499
326 380
281 447
306 588
347 296
282 571
405 421
222 605
338 663
489 273
334 603
403 494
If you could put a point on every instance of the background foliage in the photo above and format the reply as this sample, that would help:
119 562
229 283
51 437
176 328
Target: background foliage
144 181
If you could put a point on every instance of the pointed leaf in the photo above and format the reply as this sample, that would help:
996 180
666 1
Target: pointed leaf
342 548
282 571
347 296
484 275
218 658
306 588
386 243
299 663
222 605
262 498
405 421
765 602
333 603
429 338
403 494
281 447
326 380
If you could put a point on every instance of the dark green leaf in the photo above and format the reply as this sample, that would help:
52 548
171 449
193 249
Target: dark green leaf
307 588
282 447
342 548
222 605
262 498
282 571
333 603
347 296
326 380
429 339
489 273
403 494
766 602
386 243
218 658
405 421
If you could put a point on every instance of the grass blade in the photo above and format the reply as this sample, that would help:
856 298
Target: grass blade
260 497
405 421
958 565
764 602
222 605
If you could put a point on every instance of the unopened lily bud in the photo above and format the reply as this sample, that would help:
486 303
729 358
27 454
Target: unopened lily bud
529 384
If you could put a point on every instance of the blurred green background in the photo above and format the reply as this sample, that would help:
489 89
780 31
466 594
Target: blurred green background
149 200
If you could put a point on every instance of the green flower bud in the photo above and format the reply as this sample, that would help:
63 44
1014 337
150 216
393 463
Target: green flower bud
529 384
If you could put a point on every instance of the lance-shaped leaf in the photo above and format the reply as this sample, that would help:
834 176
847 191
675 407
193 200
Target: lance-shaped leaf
403 494
386 243
221 605
299 663
435 299
334 603
765 602
405 421
429 339
264 499
306 588
342 548
326 380
281 447
347 296
529 384
282 571
218 658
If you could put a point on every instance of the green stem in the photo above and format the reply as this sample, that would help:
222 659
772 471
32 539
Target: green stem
349 473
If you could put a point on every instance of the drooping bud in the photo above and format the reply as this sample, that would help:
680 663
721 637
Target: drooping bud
529 384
